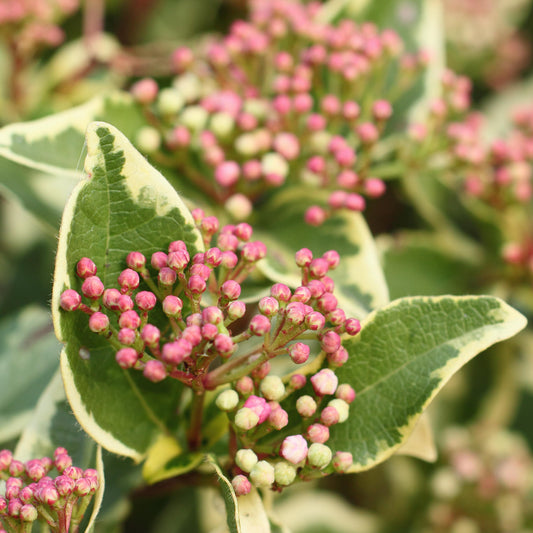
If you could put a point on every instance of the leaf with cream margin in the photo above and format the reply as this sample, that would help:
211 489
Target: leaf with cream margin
28 360
359 281
44 155
404 354
123 205
245 514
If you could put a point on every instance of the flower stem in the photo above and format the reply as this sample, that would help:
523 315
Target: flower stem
194 434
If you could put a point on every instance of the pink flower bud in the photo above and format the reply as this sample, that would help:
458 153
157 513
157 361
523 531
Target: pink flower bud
338 358
172 306
174 353
92 288
355 202
85 268
261 371
259 406
381 110
337 317
278 418
330 105
301 294
324 382
345 392
297 381
150 335
294 449
13 487
351 110
110 299
367 133
374 187
280 292
182 58
268 306
167 276
315 216
124 303
327 302
302 102
306 406
98 322
128 280
230 289
145 91
352 326
127 336
228 243
5 459
318 268
145 300
253 251
316 164
223 345
315 321
26 494
299 352
295 313
62 460
245 386
13 507
329 416
64 485
227 173
241 485
28 513
74 472
16 468
129 319
212 315
154 371
136 261
126 357
82 487
196 285
178 260
159 260
70 300
342 461
46 494
318 433
236 310
303 257
209 225
287 145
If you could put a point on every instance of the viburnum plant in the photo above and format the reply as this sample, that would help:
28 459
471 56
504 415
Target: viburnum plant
226 321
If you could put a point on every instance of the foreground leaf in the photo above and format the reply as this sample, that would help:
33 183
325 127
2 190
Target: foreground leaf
123 205
403 356
28 359
359 281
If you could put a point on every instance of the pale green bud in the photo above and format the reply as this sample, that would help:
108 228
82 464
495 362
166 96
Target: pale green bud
194 117
342 407
246 419
189 86
148 139
227 400
246 459
238 206
262 474
246 144
273 163
170 101
319 455
257 108
272 388
306 406
319 141
284 473
222 124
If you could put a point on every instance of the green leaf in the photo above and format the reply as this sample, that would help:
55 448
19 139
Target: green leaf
228 494
28 359
40 160
359 281
402 357
123 205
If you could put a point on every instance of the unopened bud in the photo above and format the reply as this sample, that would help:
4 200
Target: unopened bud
227 400
246 459
284 473
319 455
262 474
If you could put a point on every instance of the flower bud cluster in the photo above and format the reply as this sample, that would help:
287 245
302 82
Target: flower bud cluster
31 493
256 110
495 177
218 341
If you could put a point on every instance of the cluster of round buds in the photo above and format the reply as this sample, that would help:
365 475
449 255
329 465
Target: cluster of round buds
193 334
252 113
31 493
257 404
498 175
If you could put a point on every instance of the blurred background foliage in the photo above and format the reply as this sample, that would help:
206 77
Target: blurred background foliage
483 478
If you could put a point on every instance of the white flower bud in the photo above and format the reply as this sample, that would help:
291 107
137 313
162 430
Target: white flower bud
148 139
227 400
194 117
262 474
342 408
272 388
319 455
273 163
257 108
246 459
319 141
246 419
222 124
246 144
284 473
170 101
189 86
